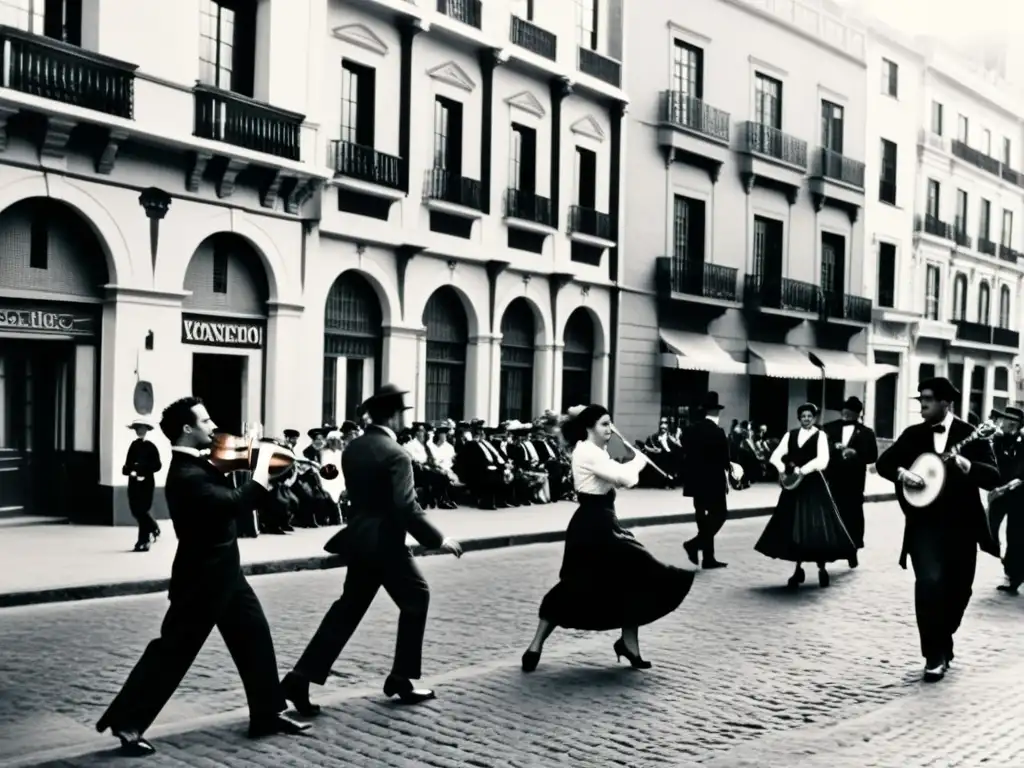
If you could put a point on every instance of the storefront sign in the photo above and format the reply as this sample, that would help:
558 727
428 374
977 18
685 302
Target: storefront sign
221 332
53 321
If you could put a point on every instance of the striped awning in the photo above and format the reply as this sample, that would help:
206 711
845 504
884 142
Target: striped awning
688 351
780 362
845 366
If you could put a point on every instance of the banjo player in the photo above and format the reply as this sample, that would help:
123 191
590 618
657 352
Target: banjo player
941 538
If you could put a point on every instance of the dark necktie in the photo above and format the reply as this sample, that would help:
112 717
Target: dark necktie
938 428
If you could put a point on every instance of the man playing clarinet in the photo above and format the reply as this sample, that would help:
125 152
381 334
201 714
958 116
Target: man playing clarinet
942 538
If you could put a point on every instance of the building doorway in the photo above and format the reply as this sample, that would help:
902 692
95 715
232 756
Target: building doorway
769 404
36 422
220 381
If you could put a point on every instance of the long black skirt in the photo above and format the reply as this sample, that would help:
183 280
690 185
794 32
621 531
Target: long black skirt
806 526
608 579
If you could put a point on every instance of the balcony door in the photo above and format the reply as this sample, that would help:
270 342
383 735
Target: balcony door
768 101
832 126
767 267
688 235
833 271
227 44
687 81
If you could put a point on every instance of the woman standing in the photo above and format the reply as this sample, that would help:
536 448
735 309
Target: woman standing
805 526
608 579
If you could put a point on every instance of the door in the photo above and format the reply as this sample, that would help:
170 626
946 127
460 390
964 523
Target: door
769 404
35 426
219 381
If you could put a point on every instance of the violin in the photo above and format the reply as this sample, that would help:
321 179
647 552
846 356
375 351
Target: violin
230 453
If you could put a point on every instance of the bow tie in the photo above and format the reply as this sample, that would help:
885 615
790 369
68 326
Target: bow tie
939 428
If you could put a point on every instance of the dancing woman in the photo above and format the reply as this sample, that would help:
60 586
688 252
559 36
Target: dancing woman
608 579
805 526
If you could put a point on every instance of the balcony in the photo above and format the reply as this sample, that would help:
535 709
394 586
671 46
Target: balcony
54 70
451 193
365 170
987 246
772 158
975 333
838 181
836 306
781 294
467 11
1004 337
934 226
244 122
684 279
1006 253
601 67
975 157
960 236
522 206
532 38
591 226
1012 176
696 132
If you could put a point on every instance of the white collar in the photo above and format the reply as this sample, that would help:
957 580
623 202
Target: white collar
189 451
948 420
809 429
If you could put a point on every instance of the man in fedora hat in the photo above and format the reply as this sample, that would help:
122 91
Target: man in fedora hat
942 539
140 465
379 480
1008 497
705 466
853 448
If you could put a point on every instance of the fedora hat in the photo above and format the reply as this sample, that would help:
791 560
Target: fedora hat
710 402
1012 413
390 394
141 422
853 404
941 389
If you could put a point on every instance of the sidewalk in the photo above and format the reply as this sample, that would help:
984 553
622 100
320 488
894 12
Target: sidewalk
54 563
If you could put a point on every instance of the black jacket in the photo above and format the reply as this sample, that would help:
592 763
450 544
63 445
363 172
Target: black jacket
705 460
847 476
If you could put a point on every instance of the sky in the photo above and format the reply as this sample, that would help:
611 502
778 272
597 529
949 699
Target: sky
953 20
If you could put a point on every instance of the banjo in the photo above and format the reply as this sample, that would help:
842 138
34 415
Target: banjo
931 468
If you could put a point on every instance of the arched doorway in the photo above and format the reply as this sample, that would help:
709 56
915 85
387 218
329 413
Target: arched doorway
447 336
51 288
224 322
578 360
518 331
353 340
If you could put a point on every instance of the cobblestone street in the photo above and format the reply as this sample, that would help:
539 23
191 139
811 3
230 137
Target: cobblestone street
745 674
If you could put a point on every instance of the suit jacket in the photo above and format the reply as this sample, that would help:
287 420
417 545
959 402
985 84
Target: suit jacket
205 509
143 459
847 476
379 481
958 508
706 460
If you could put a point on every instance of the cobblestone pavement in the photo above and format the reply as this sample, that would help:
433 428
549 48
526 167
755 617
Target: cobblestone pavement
746 674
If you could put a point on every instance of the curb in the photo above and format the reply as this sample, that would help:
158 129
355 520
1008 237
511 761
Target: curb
326 562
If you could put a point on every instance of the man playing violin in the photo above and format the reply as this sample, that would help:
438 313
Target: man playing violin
942 538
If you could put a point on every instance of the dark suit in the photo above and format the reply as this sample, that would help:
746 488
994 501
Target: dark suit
705 464
846 477
144 460
207 590
1010 454
379 480
942 539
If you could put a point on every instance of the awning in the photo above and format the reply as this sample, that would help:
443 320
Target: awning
845 366
780 362
695 352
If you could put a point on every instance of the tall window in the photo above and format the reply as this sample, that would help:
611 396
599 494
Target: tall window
586 178
768 247
961 211
936 118
688 70
933 199
586 24
984 303
768 101
523 173
960 296
1004 306
985 220
448 135
358 93
887 182
1006 237
1007 151
62 19
890 78
227 44
932 285
832 126
962 131
986 141
886 275
688 230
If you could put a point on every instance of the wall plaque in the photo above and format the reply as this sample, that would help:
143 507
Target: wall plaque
59 322
222 332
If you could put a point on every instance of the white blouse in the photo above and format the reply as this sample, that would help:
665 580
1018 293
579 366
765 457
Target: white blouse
595 472
818 464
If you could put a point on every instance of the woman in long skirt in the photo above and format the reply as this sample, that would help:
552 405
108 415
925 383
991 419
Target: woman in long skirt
806 526
608 579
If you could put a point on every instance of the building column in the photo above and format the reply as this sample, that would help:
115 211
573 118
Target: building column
420 402
282 397
478 376
543 368
557 366
401 363
965 395
494 381
599 377
990 383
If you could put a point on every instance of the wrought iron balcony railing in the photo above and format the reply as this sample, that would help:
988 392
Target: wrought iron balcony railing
587 221
933 225
367 164
979 333
535 39
761 139
528 206
697 278
602 67
467 11
836 166
1004 337
446 187
685 111
987 246
1006 253
244 122
781 293
845 306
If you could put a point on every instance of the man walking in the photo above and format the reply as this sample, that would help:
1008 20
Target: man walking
140 465
853 449
207 590
705 467
1006 500
942 538
379 480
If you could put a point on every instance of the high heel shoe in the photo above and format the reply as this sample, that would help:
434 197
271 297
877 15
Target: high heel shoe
796 579
633 658
530 660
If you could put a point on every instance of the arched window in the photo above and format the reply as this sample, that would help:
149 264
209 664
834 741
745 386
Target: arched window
353 340
984 304
960 296
577 359
1004 306
447 335
518 330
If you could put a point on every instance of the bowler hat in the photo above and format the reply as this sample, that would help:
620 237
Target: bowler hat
941 388
853 404
348 427
389 394
141 422
315 432
1010 412
293 433
710 402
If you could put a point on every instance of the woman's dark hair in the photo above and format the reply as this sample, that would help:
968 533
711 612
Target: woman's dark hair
807 408
177 416
575 428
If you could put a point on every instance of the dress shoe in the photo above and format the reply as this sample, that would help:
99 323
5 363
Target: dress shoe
530 660
934 670
1009 588
142 546
296 690
273 724
691 551
404 690
710 564
853 562
132 744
